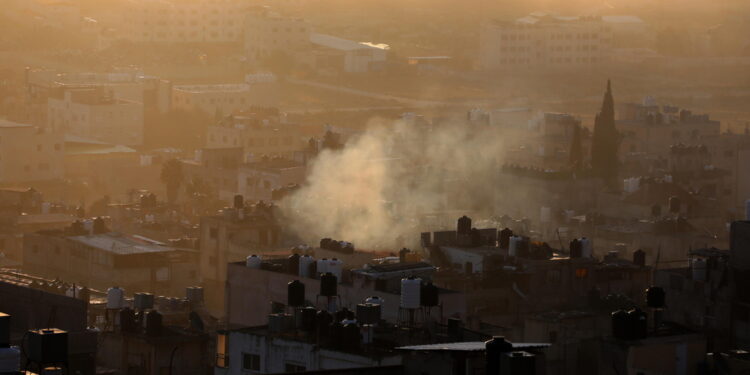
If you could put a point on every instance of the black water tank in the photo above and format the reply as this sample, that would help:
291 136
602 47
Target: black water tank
239 202
292 264
127 320
639 258
323 320
335 334
476 237
655 297
454 328
4 330
307 319
620 324
494 348
429 295
153 323
504 238
47 345
328 285
464 225
674 204
368 313
576 248
295 293
350 336
638 324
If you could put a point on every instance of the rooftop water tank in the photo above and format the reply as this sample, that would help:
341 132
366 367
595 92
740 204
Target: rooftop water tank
307 319
504 238
620 324
115 298
295 294
328 285
47 346
368 313
304 265
253 261
335 267
194 295
411 291
638 324
127 320
698 267
655 297
153 323
639 258
430 295
514 245
674 205
143 301
587 247
293 264
323 320
322 266
464 225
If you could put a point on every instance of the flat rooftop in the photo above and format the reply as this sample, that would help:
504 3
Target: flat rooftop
122 244
211 88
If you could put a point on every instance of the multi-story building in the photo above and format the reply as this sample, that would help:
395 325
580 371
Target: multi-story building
257 180
101 259
258 134
194 21
267 34
221 100
542 40
29 153
334 54
230 237
95 113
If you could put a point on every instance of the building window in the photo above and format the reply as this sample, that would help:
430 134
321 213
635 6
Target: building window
250 362
290 367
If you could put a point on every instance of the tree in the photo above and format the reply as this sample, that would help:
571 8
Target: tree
172 177
576 152
605 140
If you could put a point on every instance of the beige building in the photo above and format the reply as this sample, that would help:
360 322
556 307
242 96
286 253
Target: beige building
29 153
212 99
257 135
186 21
542 40
268 33
96 114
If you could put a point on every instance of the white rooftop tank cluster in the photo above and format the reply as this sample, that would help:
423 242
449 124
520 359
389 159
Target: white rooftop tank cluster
253 261
115 298
411 293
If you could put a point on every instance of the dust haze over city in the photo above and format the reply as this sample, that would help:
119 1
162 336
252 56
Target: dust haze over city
407 187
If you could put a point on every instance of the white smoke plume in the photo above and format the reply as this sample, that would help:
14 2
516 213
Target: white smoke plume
376 190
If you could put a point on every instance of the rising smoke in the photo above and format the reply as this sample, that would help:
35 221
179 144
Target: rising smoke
379 189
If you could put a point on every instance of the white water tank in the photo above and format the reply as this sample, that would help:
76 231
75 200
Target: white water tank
73 291
304 265
322 266
335 267
411 293
10 360
513 245
587 247
545 216
253 261
88 226
115 298
699 269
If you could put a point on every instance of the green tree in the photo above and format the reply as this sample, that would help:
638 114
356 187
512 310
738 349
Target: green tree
605 140
172 176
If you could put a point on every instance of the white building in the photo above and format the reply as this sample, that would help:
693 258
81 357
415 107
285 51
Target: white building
186 21
542 40
96 114
338 54
224 99
259 350
29 153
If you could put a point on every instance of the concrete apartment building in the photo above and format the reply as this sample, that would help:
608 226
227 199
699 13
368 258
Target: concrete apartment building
257 134
336 54
268 33
230 237
545 41
177 21
95 113
257 180
29 153
223 100
106 259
